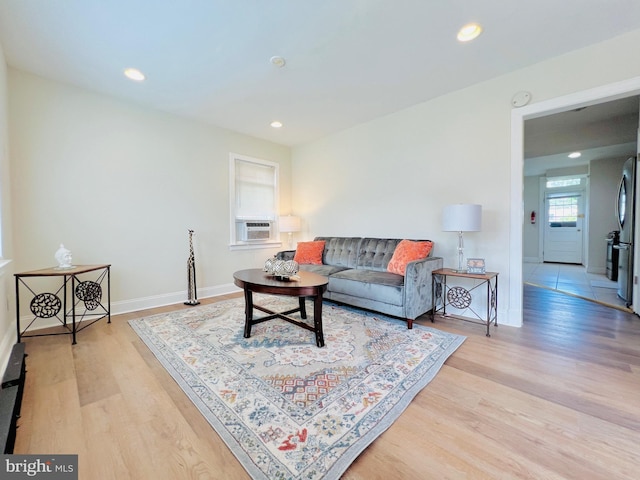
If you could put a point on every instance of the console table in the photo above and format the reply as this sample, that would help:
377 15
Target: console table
83 282
444 294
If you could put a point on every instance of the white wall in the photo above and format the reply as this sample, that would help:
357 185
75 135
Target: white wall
531 232
121 184
605 178
7 312
393 175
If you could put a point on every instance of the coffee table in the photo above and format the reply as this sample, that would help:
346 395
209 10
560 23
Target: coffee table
306 284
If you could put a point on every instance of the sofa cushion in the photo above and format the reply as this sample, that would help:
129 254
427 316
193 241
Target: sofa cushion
325 270
408 251
309 252
373 285
375 253
340 251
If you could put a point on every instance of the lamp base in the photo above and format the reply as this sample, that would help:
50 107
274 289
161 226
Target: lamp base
461 266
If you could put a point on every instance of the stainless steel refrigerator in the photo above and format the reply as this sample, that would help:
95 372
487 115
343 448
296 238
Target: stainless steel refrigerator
625 212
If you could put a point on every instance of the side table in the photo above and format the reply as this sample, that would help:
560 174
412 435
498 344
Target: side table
49 305
444 294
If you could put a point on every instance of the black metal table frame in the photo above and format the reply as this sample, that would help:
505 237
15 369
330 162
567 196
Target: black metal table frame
440 291
317 315
69 277
254 281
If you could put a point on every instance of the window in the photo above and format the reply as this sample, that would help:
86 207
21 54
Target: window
563 211
253 201
559 182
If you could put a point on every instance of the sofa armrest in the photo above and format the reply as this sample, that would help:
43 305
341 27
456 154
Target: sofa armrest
418 287
285 255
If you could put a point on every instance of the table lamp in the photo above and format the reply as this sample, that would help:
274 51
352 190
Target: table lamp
289 224
461 218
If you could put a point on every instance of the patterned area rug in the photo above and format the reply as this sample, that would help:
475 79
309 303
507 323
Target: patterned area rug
286 408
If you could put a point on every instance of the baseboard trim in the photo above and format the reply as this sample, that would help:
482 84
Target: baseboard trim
127 306
597 270
531 260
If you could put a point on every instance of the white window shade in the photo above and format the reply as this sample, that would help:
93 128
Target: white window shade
255 190
253 202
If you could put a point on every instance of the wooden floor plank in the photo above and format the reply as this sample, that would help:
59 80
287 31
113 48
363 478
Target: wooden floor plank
555 399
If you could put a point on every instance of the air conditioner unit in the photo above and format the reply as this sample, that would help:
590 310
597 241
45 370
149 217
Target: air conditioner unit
251 231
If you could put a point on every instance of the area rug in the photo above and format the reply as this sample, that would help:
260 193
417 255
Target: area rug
286 408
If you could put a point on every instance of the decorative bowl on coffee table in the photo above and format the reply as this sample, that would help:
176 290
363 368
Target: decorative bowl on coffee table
281 269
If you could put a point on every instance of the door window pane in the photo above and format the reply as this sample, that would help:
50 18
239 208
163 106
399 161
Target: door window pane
563 211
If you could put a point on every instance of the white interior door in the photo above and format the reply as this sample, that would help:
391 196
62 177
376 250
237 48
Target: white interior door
563 230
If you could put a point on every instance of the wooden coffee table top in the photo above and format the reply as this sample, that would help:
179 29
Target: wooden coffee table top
257 280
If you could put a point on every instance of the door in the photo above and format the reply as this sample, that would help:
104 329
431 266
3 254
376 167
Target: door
563 235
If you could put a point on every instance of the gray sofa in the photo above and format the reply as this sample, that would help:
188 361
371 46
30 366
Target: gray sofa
358 276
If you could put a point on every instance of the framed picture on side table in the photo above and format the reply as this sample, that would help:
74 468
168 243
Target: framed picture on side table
475 265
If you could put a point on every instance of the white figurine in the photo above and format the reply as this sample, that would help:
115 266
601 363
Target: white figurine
63 257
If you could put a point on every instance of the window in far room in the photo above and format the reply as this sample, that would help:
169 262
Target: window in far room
253 187
563 211
563 197
560 182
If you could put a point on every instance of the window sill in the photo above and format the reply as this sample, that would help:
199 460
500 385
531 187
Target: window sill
254 246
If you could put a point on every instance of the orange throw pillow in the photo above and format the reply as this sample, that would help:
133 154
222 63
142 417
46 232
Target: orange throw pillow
309 252
408 251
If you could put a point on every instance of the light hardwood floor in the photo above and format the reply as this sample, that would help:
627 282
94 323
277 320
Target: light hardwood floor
558 398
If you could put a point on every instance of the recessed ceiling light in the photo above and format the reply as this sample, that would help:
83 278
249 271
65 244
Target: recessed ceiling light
276 124
134 74
575 155
278 61
469 32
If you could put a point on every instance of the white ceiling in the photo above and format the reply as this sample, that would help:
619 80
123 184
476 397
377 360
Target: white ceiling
604 131
347 61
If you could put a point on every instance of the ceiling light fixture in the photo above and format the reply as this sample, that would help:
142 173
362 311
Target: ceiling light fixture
134 74
575 155
278 61
469 32
276 124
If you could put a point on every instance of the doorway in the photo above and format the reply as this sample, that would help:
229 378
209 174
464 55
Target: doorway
577 100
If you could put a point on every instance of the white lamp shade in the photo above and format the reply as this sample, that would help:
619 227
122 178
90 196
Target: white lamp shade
289 223
461 218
